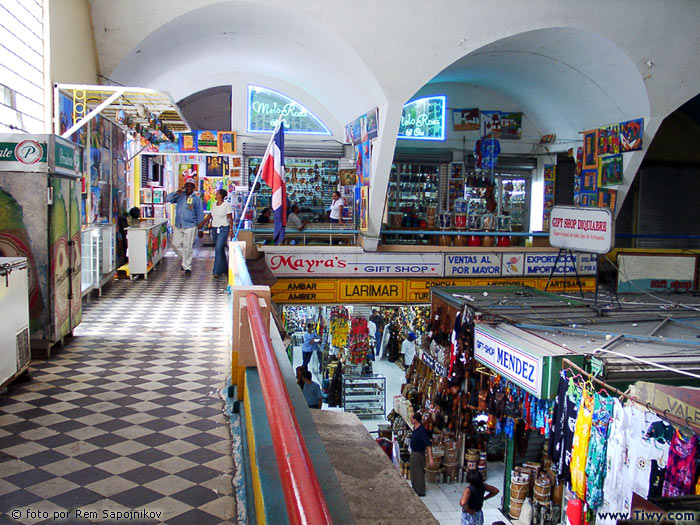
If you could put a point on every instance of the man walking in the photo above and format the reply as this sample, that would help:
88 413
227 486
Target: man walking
311 345
188 215
378 321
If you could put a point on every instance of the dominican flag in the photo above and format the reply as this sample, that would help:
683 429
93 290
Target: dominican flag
273 175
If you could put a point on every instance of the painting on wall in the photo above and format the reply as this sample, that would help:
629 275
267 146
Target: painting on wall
348 177
188 142
610 170
372 123
589 180
590 149
609 140
227 142
186 170
208 186
217 166
506 125
589 200
207 141
466 119
607 199
631 134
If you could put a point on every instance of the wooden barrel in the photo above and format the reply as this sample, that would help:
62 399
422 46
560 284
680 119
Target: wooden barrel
450 471
487 240
445 240
519 487
543 490
460 240
431 474
450 453
516 506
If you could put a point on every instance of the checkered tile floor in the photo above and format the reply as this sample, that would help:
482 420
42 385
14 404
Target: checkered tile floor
128 415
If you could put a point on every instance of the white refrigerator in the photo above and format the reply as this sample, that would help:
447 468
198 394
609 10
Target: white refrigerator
14 312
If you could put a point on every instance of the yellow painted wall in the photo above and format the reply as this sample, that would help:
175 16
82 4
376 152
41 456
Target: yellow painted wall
72 53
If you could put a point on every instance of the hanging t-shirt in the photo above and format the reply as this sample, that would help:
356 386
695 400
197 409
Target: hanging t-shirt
636 454
613 465
556 436
582 433
640 465
659 458
573 398
680 471
661 430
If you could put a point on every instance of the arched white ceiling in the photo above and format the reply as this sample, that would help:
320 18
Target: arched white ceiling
566 80
220 41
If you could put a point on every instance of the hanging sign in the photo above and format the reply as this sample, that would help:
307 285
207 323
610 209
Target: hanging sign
521 367
423 119
434 364
20 152
267 107
585 229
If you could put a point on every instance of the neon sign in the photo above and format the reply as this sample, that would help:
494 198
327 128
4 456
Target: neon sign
267 107
423 119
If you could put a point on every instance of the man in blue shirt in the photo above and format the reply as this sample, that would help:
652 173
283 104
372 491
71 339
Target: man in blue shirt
312 392
188 216
310 345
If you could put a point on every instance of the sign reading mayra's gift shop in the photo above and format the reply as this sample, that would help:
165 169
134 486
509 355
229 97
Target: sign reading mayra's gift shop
354 264
521 367
423 119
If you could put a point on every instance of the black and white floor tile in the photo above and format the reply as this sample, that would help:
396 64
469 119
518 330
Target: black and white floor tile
128 416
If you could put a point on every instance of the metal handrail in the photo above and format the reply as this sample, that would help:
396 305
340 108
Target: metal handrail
302 491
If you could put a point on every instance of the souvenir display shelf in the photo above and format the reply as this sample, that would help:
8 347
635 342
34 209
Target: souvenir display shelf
147 245
310 182
364 395
413 188
514 201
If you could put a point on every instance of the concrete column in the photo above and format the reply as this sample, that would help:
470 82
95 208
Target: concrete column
382 157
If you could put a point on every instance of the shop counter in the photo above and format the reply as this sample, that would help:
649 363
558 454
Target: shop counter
325 234
148 242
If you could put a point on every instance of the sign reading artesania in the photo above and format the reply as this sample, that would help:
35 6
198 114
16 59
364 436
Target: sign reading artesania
267 107
585 229
519 366
424 119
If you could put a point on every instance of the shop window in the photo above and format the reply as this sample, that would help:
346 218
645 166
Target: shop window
423 119
266 107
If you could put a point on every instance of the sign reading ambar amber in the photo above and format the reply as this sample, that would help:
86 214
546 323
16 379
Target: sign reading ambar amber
355 264
584 229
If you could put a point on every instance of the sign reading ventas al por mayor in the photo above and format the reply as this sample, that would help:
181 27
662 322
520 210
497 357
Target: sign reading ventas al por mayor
355 264
585 229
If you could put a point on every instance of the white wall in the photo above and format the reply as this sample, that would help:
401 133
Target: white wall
73 56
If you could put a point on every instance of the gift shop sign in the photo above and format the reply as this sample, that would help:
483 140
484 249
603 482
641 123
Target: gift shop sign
585 229
513 363
355 264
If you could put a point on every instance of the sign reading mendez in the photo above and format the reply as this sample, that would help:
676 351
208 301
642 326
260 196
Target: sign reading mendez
521 367
585 229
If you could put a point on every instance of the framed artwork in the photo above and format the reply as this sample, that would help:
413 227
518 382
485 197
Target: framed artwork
609 140
188 142
549 171
589 180
187 170
207 141
631 135
226 142
372 123
577 184
217 166
609 170
589 200
466 119
457 170
590 149
607 199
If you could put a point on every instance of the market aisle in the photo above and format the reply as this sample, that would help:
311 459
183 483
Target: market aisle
128 416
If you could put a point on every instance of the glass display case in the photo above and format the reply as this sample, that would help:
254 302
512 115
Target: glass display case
310 182
108 261
364 395
413 188
91 242
512 193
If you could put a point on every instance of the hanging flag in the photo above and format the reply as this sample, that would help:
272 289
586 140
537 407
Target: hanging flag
273 174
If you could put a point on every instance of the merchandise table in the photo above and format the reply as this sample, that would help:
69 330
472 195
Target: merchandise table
148 242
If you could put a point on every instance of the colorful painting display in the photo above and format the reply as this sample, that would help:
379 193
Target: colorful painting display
217 166
188 142
186 170
208 186
609 140
589 200
506 125
466 119
590 149
610 170
589 181
363 128
365 205
348 177
631 135
607 199
207 141
227 142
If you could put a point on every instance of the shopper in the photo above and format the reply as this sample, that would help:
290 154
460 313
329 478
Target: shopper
312 391
221 219
294 221
310 345
473 497
378 321
134 217
264 216
188 214
372 337
300 376
408 349
420 444
336 211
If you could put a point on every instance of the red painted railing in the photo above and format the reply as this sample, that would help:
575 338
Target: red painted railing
302 491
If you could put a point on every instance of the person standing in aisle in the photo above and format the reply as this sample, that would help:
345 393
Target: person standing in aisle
378 321
310 345
312 391
188 214
420 444
336 212
408 349
372 336
221 218
473 497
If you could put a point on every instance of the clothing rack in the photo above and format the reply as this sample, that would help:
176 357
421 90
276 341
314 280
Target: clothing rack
663 414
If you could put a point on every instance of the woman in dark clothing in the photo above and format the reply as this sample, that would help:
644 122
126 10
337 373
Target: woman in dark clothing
473 498
264 216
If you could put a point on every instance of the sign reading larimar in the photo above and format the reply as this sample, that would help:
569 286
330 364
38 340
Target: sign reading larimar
585 229
423 119
517 365
434 364
355 264
267 107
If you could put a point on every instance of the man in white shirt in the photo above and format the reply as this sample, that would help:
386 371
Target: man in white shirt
294 221
408 349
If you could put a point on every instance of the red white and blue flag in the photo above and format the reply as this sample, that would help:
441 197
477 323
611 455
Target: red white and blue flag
273 174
